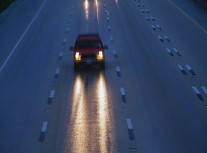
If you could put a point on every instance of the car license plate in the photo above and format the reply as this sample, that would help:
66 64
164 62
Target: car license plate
89 61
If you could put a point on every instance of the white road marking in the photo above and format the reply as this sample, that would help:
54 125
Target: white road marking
152 18
153 27
169 51
117 69
147 11
166 38
129 124
57 71
44 126
160 38
196 90
114 52
180 67
148 18
188 67
64 41
111 38
122 91
107 12
52 93
158 26
107 19
175 50
109 28
204 89
22 36
60 55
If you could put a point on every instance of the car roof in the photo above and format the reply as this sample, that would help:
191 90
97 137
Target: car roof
88 36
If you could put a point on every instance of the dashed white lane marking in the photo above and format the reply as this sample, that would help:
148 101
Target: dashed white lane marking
44 126
176 51
122 91
159 27
118 71
190 69
123 95
204 90
148 18
129 124
130 129
147 11
169 51
22 36
60 55
43 131
196 90
107 12
115 54
152 18
111 39
160 38
57 72
109 28
153 27
52 94
166 38
64 41
181 69
107 19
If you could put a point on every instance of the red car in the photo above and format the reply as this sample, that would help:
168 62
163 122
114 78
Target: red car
88 49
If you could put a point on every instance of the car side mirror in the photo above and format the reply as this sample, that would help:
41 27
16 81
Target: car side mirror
106 47
71 48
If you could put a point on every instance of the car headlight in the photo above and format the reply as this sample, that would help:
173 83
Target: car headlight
100 55
77 56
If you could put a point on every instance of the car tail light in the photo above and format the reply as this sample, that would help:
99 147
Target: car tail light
100 55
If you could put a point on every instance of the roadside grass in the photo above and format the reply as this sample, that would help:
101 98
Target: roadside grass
4 4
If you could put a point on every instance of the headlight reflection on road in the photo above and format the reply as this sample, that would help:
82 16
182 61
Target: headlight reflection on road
90 124
78 118
86 7
97 8
103 115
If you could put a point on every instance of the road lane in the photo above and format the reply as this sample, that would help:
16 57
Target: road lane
26 81
140 103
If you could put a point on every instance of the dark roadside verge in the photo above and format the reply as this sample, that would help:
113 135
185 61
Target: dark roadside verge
202 3
4 4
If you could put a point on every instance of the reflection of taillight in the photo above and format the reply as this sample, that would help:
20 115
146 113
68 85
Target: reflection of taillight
100 55
77 56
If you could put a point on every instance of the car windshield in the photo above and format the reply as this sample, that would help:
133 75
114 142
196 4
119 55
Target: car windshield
88 44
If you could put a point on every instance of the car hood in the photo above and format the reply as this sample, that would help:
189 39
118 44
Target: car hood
89 50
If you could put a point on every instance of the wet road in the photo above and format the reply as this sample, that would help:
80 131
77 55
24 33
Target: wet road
151 97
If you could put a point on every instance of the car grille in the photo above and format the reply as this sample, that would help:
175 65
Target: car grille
88 56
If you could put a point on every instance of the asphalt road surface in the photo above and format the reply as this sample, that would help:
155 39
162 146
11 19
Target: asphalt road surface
151 97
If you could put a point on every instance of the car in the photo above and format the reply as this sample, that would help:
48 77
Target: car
88 50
